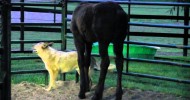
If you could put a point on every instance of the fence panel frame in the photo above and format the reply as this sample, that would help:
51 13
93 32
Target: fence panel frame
129 3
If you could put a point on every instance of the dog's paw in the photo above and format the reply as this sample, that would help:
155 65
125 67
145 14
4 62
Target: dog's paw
54 87
48 89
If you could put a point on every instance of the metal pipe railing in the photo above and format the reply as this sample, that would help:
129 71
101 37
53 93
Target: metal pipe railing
187 27
137 2
159 45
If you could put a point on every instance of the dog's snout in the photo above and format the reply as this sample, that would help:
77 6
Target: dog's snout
34 51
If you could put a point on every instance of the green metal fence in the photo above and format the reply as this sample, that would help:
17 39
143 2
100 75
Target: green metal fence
185 36
66 19
30 6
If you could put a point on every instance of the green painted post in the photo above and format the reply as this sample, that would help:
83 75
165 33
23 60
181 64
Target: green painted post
64 28
186 31
54 13
64 24
22 26
128 37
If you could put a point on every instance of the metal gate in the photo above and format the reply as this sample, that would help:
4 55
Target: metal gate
5 78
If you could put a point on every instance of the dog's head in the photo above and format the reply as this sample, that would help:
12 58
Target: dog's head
40 47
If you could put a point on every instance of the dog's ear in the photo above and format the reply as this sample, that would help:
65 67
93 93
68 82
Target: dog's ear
45 45
50 43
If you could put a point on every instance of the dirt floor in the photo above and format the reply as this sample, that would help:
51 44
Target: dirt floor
68 90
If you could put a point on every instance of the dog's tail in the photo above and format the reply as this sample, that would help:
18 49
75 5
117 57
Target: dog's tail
95 65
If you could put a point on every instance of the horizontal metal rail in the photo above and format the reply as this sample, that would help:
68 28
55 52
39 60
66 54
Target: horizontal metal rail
34 4
159 61
69 36
33 71
136 2
29 51
160 45
34 41
173 35
38 29
173 59
19 51
40 24
157 77
29 71
24 58
164 17
160 25
39 10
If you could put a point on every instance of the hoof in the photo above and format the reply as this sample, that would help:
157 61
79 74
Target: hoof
119 95
81 96
88 89
95 97
118 98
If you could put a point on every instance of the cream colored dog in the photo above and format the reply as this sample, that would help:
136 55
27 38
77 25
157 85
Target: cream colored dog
56 61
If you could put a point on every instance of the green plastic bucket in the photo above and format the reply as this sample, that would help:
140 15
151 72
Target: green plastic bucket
135 51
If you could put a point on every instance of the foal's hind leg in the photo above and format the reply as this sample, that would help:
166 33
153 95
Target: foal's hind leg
80 46
103 50
88 48
118 48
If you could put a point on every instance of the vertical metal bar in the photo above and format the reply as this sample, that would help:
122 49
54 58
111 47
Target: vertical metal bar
128 38
6 48
54 13
64 24
177 12
22 26
1 70
64 76
1 93
186 22
64 28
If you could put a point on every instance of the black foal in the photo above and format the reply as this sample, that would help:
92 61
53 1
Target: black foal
106 23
